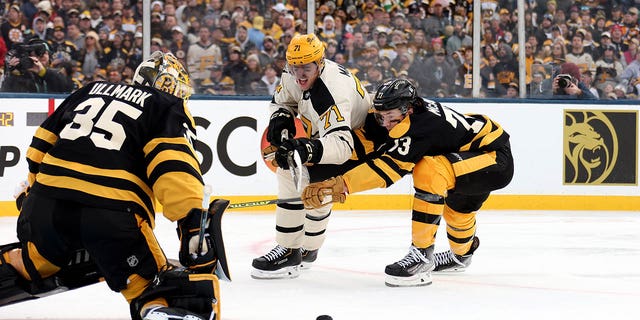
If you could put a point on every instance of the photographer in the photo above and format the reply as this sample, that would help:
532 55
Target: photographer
27 70
566 84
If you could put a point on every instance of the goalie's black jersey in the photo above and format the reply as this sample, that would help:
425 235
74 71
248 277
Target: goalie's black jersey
431 130
120 147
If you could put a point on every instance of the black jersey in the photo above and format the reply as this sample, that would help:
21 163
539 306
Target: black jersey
120 147
433 129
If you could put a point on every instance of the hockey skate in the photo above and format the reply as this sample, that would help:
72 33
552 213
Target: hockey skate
279 263
413 270
447 261
166 313
308 257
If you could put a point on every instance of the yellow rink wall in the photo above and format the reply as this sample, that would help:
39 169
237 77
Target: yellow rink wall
568 155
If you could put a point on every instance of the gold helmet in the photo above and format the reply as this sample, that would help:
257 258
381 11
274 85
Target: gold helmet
305 49
164 72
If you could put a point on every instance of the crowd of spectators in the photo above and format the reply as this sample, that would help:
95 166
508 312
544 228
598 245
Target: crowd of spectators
236 47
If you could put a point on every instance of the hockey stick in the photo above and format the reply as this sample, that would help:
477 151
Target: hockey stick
260 203
205 215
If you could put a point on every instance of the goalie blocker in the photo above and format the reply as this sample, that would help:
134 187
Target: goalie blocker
183 288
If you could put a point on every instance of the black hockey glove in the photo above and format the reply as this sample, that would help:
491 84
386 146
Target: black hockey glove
280 121
193 254
310 151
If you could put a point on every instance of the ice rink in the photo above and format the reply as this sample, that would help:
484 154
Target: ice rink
530 265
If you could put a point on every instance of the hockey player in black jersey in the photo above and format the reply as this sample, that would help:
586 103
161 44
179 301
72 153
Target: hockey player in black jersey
96 167
456 160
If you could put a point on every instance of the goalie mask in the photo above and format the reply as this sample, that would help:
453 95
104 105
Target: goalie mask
164 72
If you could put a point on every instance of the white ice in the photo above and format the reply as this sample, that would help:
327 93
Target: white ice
530 265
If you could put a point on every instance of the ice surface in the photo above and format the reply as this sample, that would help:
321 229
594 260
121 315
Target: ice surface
530 265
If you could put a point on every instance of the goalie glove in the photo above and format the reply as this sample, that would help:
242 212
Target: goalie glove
319 194
310 151
193 254
20 192
281 127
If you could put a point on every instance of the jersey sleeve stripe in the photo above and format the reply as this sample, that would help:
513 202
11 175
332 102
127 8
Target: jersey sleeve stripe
172 155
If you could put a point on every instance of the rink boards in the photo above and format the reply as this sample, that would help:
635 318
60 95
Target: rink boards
568 156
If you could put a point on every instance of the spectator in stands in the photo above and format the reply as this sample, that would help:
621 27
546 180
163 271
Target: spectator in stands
633 49
38 77
610 61
201 56
254 71
436 74
578 56
236 69
270 79
513 91
587 80
268 52
242 40
630 77
506 69
12 28
436 20
567 85
540 86
255 34
217 83
179 46
488 78
91 55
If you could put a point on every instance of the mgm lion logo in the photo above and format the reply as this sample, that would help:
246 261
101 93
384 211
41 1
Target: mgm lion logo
590 147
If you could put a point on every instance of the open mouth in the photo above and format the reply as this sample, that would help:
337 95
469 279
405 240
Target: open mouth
302 82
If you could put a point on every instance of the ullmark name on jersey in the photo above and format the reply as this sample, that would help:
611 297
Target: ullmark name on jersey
121 91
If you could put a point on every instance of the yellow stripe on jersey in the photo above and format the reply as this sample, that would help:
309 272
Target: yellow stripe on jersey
94 190
172 155
401 128
153 144
474 164
46 135
363 177
91 170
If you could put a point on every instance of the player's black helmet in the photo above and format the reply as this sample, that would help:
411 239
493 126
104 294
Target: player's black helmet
394 94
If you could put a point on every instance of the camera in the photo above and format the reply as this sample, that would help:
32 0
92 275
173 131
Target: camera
24 52
564 80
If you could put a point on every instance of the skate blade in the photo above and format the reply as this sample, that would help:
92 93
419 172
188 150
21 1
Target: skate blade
418 280
284 273
450 270
305 265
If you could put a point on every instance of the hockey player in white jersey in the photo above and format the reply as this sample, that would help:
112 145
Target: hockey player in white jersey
330 101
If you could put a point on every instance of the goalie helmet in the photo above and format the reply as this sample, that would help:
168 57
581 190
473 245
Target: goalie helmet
164 72
394 94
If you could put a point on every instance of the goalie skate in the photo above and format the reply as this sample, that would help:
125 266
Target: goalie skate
165 313
279 263
413 270
447 261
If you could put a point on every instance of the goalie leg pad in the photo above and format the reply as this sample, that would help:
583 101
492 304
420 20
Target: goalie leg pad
80 271
198 293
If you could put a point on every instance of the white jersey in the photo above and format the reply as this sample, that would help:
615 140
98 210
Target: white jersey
335 104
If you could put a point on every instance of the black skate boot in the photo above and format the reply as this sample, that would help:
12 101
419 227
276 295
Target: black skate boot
166 313
279 263
447 261
413 270
308 257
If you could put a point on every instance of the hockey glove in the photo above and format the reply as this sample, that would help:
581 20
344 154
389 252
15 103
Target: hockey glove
20 192
193 254
281 127
310 151
319 194
269 154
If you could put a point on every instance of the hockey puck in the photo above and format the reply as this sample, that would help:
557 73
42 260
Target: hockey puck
324 317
